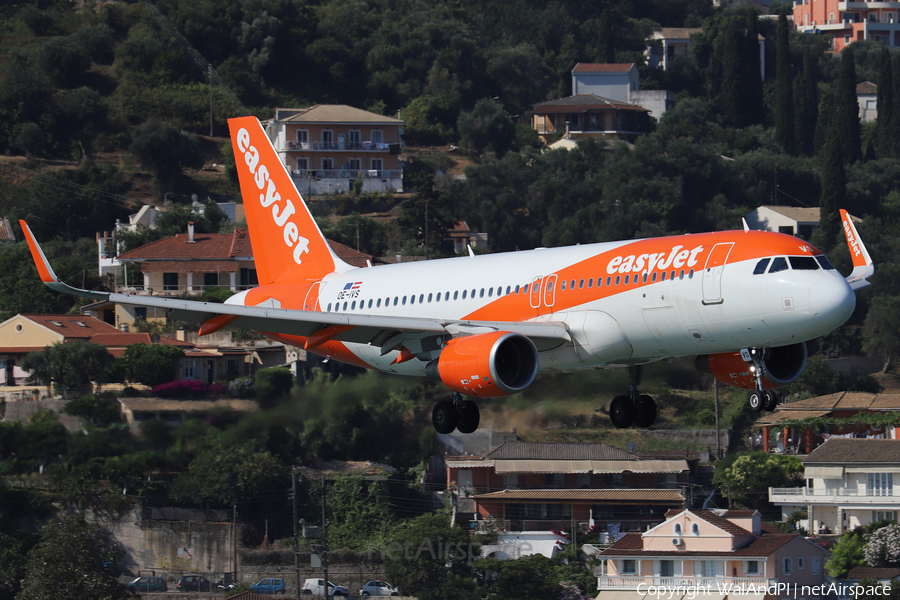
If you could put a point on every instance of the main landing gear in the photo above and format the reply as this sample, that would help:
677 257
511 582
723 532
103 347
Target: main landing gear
456 413
636 408
760 399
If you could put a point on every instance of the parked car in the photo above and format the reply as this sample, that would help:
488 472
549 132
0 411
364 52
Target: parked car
268 586
378 587
317 587
148 584
194 583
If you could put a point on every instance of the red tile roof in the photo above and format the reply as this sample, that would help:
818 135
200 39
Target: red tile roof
602 67
596 494
205 246
763 546
189 266
73 327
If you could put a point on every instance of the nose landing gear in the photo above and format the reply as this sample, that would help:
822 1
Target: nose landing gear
639 409
760 399
456 413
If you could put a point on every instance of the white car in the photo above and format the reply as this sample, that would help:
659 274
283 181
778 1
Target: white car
378 587
316 587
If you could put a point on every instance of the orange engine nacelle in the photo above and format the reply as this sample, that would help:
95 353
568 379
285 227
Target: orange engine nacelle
486 365
783 365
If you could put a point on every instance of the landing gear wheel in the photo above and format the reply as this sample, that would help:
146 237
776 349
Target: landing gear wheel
770 401
443 417
621 412
757 400
645 411
469 417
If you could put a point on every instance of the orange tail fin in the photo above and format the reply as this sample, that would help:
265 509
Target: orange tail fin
287 243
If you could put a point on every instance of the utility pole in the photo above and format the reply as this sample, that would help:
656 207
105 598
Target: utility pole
209 68
296 543
325 541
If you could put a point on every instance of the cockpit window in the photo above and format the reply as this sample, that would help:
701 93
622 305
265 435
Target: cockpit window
803 263
826 264
761 266
778 264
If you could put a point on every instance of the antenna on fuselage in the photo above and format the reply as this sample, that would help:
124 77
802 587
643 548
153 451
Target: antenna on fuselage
744 221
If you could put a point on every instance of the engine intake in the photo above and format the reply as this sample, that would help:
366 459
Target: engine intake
783 365
486 365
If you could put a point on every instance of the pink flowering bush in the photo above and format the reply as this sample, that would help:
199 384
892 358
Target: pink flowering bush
189 388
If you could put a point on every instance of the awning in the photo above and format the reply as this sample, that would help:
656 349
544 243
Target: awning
657 466
823 472
620 595
542 466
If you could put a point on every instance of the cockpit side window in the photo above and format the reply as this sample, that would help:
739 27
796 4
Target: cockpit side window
778 264
803 263
826 264
761 266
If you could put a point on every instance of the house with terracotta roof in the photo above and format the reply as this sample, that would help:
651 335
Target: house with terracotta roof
530 486
792 220
846 22
849 482
463 237
867 96
327 147
801 426
712 553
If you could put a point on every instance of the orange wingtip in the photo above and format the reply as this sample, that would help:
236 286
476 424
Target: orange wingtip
40 261
216 323
325 335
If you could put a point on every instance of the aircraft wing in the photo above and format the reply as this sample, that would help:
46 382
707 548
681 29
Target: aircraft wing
318 326
863 267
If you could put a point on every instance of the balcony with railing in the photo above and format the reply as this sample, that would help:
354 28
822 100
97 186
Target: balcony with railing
366 146
631 582
832 496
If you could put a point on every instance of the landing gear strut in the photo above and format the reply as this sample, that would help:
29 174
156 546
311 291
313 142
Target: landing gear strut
636 408
455 413
760 399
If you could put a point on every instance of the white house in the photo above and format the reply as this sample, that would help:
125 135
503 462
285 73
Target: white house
849 482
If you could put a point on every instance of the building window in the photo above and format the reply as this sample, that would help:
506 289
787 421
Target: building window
303 137
695 528
327 138
800 562
786 565
140 313
628 567
677 528
667 568
554 479
511 482
884 515
327 164
378 165
303 164
248 277
752 567
815 565
210 279
377 136
189 369
170 281
707 568
355 164
880 484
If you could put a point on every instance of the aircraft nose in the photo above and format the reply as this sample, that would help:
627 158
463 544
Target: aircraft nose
831 301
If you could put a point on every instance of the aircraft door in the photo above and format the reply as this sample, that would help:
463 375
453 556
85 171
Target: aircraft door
712 273
536 292
550 291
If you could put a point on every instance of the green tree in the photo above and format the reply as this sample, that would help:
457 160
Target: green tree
849 550
360 512
784 96
487 127
752 473
165 150
70 366
12 564
99 410
806 105
606 39
834 189
428 558
846 110
227 475
153 364
885 98
881 331
273 385
72 558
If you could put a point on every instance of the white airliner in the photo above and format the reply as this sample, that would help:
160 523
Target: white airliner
744 302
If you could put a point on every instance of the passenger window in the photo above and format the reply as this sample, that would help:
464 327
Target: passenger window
525 289
412 299
627 277
464 294
353 305
370 303
581 284
456 294
590 283
761 266
618 277
378 304
490 292
447 297
550 286
681 274
404 300
826 264
437 297
329 307
345 307
779 264
421 298
480 294
473 293
609 280
803 263
429 298
517 290
572 285
508 289
499 291
562 286
395 301
663 276
644 278
653 277
691 274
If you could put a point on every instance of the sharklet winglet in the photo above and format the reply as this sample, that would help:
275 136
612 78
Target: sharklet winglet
863 267
46 271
